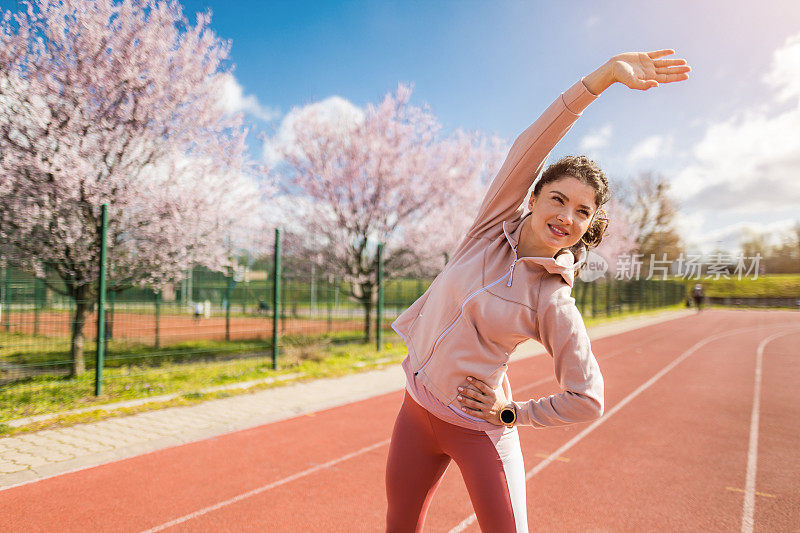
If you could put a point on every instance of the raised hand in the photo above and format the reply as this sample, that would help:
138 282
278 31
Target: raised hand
640 70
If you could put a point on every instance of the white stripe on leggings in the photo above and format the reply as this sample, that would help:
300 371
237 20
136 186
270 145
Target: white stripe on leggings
508 448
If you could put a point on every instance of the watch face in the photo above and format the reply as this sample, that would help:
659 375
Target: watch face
507 416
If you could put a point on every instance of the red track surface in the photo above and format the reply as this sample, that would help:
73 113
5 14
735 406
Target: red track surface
670 453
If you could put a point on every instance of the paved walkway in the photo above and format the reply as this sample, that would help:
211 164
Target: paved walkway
32 456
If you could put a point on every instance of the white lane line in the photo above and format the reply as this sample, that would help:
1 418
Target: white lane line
749 506
577 438
551 379
259 490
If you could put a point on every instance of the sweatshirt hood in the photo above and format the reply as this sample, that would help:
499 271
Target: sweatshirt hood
565 264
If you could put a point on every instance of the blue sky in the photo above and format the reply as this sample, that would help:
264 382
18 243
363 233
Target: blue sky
494 66
723 138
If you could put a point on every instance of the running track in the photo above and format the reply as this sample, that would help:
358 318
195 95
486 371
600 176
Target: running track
700 433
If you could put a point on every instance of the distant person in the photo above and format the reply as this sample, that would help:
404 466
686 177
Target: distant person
263 307
198 311
698 295
509 279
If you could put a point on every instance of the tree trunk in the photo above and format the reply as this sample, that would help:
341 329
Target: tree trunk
366 301
82 308
367 319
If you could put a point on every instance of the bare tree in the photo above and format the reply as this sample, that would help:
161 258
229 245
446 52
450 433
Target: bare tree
652 212
776 257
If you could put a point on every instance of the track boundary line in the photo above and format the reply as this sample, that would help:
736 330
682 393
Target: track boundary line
264 488
749 505
604 358
577 438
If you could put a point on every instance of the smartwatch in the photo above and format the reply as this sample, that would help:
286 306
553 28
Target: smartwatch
508 415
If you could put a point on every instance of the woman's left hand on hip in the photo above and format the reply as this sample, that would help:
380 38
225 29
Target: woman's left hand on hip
480 400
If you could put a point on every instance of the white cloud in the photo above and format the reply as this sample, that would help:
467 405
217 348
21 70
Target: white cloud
650 148
596 139
234 100
688 227
785 72
749 163
591 21
334 111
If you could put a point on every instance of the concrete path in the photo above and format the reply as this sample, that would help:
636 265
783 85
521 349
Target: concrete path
33 456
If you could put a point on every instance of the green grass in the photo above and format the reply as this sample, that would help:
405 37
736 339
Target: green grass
38 350
24 349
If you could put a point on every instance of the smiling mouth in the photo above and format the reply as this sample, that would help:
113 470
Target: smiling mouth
557 232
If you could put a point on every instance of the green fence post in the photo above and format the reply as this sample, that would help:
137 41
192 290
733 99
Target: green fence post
101 304
379 330
594 299
157 297
330 303
189 285
228 292
276 293
608 296
36 305
243 296
7 297
313 290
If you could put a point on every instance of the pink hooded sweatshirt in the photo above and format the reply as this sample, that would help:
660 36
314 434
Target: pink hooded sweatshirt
488 300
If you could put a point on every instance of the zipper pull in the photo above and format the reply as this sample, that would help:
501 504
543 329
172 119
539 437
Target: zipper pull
511 277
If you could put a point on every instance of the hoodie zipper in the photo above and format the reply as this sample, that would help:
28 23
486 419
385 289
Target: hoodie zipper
516 258
461 312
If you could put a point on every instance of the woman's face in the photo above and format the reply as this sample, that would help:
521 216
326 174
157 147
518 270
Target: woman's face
560 215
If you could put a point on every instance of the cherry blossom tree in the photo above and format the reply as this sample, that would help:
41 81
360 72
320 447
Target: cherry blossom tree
380 175
118 103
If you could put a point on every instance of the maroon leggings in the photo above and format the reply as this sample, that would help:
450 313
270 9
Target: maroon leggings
420 452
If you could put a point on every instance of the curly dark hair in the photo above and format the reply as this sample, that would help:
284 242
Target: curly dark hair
586 171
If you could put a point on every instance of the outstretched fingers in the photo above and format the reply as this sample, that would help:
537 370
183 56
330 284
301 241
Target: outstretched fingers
670 74
668 78
660 53
669 62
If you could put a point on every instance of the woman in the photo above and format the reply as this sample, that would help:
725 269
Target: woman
508 280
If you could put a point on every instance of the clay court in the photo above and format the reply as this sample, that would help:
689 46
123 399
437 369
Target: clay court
175 328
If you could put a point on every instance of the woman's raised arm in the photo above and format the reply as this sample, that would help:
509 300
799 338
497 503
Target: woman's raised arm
637 70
